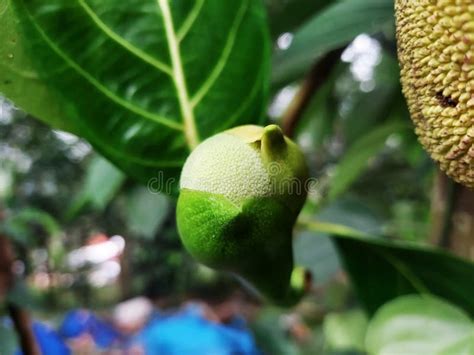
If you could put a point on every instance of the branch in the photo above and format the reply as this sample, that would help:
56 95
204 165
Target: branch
20 318
452 215
313 82
22 323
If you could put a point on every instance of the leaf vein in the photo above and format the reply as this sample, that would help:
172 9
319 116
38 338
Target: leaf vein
190 129
111 95
223 60
122 42
188 23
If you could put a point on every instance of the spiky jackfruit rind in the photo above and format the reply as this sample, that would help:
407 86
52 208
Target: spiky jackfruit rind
436 55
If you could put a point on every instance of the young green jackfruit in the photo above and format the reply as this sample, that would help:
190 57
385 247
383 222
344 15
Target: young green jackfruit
241 192
436 54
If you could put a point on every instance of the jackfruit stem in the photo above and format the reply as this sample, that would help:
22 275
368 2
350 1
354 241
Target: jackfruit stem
273 142
301 281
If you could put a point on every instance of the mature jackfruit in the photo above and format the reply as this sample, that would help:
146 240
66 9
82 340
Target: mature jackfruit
436 54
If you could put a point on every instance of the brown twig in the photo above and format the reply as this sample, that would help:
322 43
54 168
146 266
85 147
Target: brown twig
452 216
22 322
315 79
20 318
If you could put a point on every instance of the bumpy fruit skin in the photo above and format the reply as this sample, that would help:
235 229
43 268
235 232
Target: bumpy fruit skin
436 54
241 192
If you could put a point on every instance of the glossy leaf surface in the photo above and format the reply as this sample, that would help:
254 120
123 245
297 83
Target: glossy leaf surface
144 80
420 325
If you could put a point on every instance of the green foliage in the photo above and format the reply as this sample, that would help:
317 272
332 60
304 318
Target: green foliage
151 101
382 270
345 331
19 227
420 325
101 183
333 27
357 156
20 79
145 212
144 95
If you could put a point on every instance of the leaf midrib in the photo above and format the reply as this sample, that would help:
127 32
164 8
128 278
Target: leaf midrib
190 130
87 76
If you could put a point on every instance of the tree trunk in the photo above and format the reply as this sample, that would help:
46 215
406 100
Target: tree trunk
20 318
453 217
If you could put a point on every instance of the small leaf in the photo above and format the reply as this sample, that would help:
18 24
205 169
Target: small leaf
420 325
146 211
101 183
333 27
345 331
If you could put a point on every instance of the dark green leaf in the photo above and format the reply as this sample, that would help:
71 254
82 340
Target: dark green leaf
420 325
382 271
19 78
144 80
286 15
329 29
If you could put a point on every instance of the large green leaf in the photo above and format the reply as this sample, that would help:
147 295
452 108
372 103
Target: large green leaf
330 28
415 325
19 79
383 270
144 80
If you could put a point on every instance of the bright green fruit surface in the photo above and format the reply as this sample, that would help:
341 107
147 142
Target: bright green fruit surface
241 192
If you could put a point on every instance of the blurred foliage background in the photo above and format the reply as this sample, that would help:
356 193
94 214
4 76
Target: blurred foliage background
58 195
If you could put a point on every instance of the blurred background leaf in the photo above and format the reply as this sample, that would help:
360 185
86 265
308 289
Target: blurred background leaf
145 212
101 183
420 324
345 331
335 26
358 155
